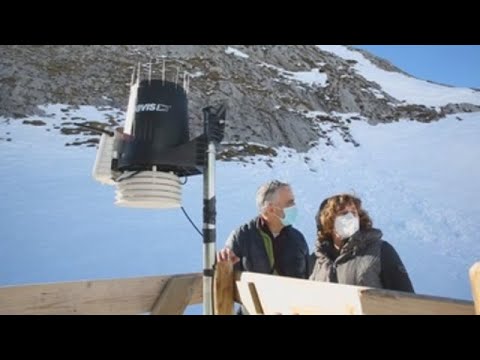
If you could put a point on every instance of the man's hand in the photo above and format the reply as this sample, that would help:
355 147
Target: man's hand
227 255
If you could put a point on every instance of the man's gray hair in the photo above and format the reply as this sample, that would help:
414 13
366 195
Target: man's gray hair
268 192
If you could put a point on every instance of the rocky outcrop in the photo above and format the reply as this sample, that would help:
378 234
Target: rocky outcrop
269 88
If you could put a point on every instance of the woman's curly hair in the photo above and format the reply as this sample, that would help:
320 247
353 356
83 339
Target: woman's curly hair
328 210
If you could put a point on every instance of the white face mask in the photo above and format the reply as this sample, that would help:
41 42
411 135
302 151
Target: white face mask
347 225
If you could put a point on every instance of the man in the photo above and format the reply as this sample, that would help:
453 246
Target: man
269 243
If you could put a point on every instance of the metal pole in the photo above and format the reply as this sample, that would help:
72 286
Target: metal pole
209 215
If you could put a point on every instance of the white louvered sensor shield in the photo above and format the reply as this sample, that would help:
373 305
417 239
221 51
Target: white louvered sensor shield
102 168
149 189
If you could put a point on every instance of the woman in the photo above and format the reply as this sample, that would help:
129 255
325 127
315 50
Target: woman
350 251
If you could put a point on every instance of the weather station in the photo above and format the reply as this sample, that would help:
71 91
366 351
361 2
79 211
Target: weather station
146 159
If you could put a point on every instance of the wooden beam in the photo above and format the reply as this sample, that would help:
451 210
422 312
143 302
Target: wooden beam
116 296
384 302
175 295
258 310
475 282
236 296
223 290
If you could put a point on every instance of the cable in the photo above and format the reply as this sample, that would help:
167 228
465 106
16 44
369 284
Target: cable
185 181
119 179
191 222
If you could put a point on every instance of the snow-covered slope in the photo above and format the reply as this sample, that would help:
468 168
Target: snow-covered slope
404 87
418 181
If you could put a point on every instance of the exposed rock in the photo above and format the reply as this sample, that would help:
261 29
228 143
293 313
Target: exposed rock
34 122
267 105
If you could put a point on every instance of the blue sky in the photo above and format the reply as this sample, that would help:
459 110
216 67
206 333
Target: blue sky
457 65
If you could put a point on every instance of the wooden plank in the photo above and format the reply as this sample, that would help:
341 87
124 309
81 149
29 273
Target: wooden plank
175 295
223 289
115 296
475 282
283 295
384 302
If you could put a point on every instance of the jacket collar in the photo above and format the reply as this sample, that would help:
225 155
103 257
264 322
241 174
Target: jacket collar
353 245
261 224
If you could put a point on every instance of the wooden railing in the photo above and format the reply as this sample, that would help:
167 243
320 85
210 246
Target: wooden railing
259 293
266 294
269 295
155 294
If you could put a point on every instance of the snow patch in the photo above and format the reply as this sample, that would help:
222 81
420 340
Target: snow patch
310 78
232 51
